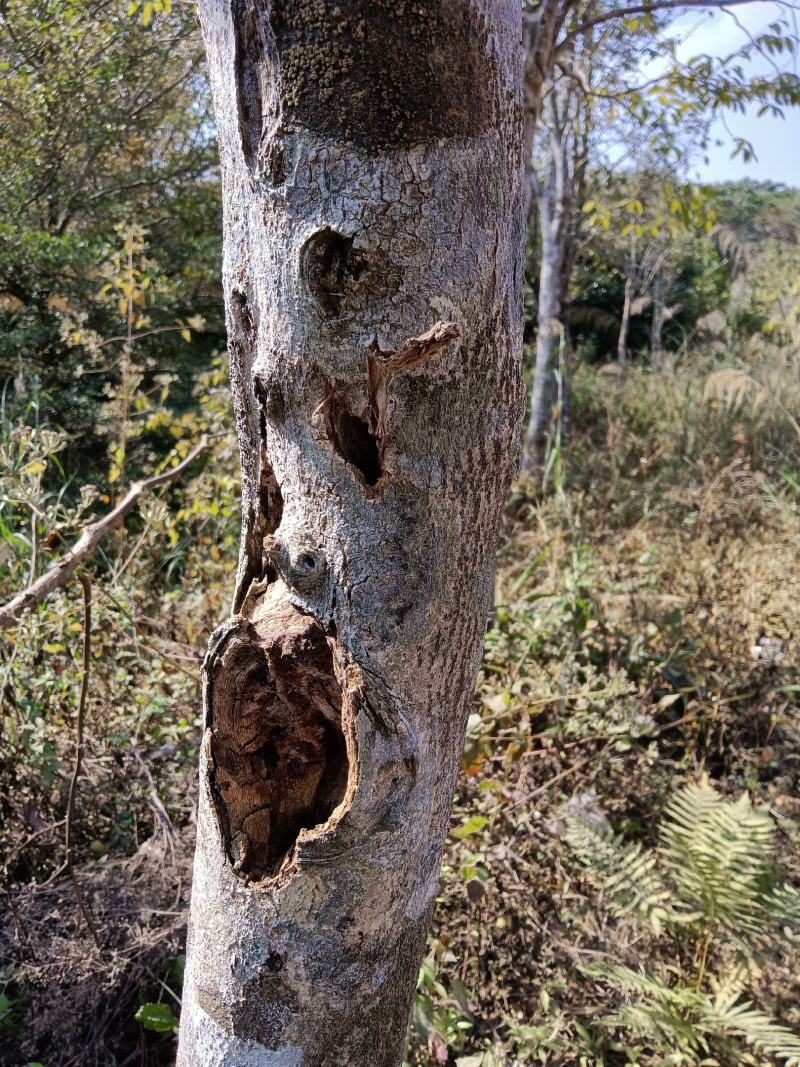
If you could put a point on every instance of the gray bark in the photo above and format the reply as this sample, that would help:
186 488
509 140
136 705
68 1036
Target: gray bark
372 181
548 332
657 322
554 202
622 340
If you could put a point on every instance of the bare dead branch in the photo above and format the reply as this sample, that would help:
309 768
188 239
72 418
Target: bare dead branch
646 9
62 570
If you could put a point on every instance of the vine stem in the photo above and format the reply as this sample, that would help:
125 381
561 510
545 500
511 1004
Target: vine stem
73 785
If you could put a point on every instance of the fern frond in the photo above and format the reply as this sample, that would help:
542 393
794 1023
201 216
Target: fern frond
627 980
781 906
627 874
719 853
660 1024
660 1013
729 1017
682 1017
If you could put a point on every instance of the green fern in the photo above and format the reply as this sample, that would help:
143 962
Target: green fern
659 1013
714 868
727 1015
630 883
712 879
719 854
679 1017
781 907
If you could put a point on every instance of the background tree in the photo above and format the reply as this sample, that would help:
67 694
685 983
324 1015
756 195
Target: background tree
598 70
105 122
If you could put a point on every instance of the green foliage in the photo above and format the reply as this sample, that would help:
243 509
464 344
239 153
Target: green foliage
88 147
714 880
440 1016
157 1017
149 628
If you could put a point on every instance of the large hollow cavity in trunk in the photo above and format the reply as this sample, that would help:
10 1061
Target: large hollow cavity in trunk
278 754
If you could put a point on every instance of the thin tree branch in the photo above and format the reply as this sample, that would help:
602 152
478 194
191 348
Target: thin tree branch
61 571
647 9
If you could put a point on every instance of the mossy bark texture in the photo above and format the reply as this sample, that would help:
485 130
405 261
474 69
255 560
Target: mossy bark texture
372 170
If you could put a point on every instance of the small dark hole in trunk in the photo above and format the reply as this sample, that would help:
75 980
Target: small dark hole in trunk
330 267
351 438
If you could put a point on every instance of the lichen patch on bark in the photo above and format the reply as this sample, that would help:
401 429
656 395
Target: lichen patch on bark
275 741
347 70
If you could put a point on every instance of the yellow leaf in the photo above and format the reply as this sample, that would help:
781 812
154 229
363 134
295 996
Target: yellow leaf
147 14
186 335
53 647
132 6
36 467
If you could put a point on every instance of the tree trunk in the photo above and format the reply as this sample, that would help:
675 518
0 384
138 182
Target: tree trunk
547 338
372 160
657 324
622 340
554 198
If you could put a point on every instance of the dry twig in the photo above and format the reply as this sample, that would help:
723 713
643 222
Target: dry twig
61 571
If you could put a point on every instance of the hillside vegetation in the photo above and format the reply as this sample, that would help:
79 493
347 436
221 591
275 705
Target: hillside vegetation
643 638
621 882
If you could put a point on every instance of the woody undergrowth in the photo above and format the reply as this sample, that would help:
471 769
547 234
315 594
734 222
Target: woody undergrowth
643 643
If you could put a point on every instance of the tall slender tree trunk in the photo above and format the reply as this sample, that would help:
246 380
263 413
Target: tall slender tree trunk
622 340
631 267
554 199
372 162
657 322
548 332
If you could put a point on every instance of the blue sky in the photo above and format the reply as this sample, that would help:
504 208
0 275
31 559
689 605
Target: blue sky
776 142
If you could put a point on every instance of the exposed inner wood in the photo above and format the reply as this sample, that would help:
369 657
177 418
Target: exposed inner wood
278 754
362 441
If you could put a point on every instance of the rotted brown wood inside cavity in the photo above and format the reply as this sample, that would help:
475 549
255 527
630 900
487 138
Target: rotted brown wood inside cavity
278 754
